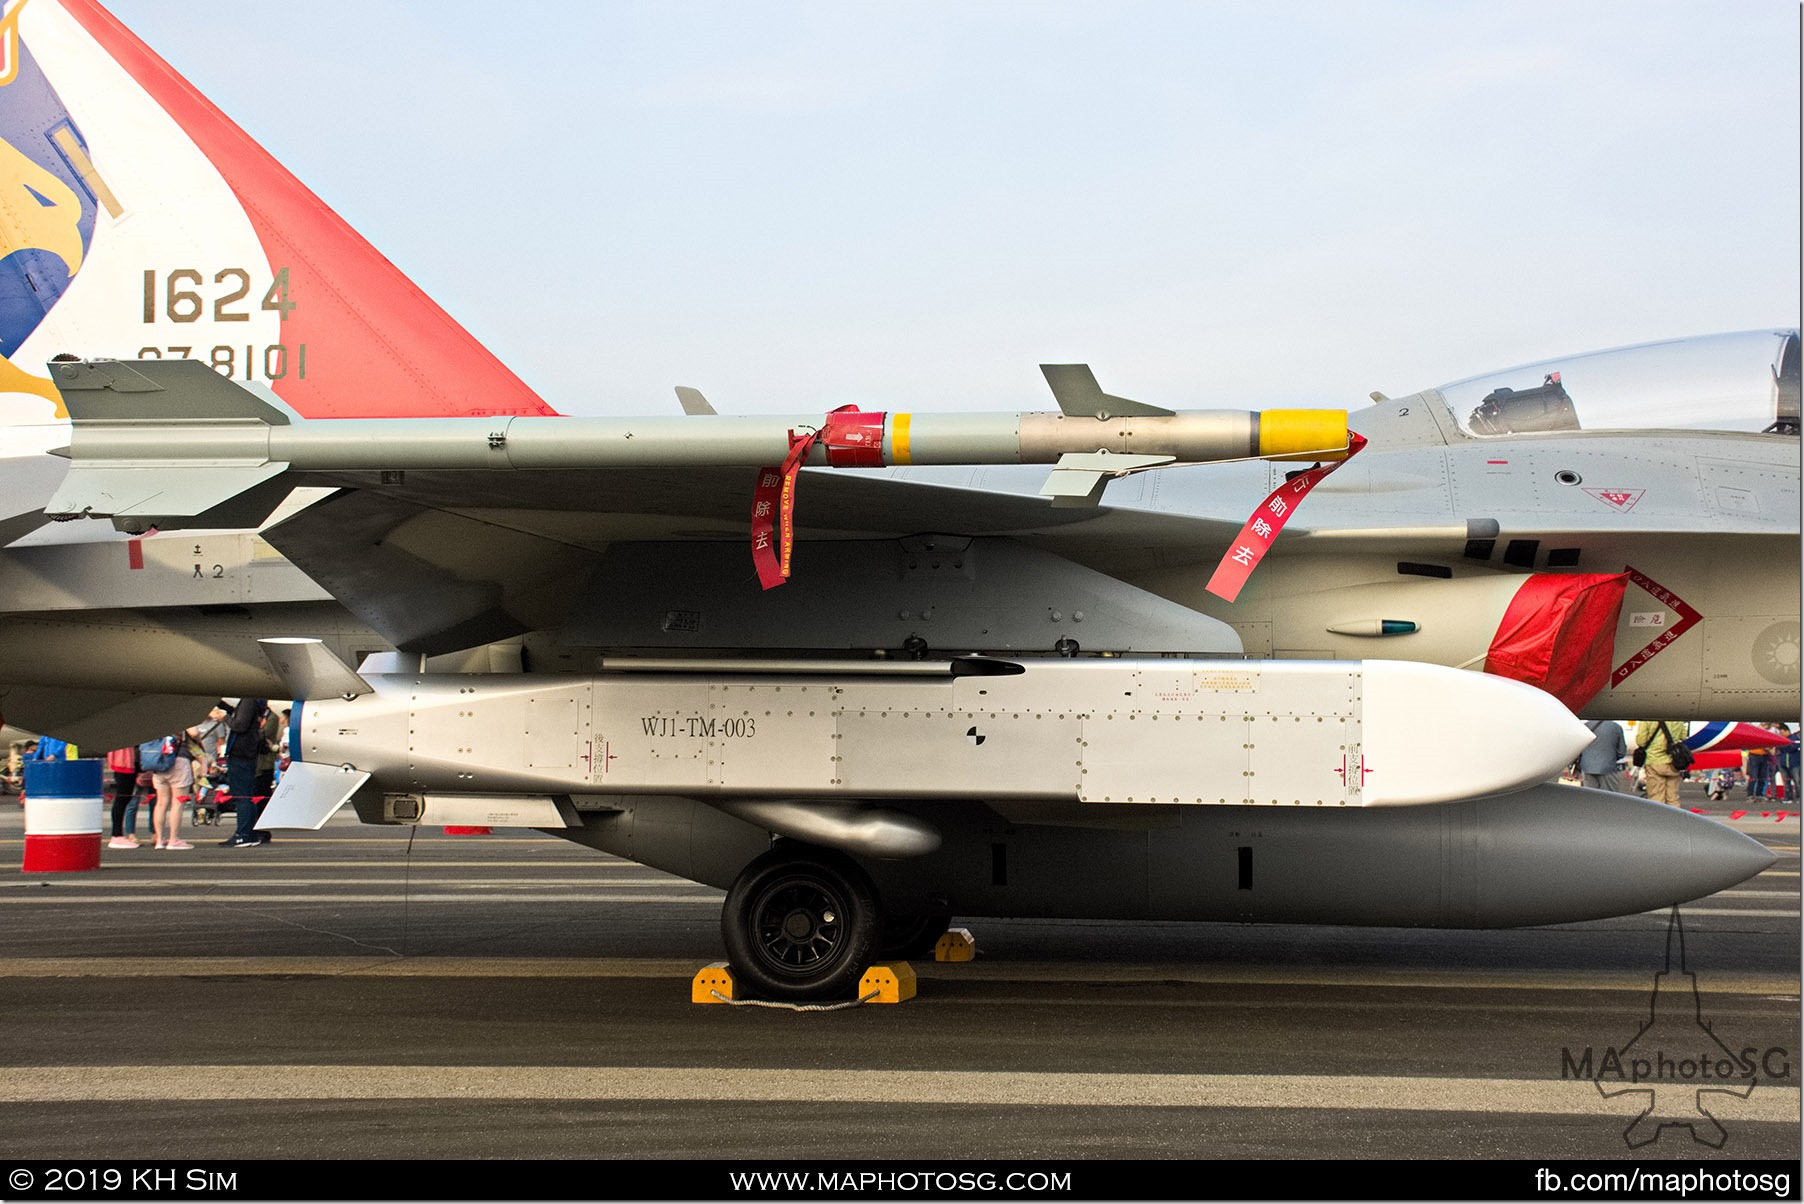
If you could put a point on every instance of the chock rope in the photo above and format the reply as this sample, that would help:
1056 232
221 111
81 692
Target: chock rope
795 1007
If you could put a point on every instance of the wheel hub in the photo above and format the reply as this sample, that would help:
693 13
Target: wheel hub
798 926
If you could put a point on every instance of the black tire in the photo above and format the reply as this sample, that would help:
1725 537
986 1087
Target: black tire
910 936
800 924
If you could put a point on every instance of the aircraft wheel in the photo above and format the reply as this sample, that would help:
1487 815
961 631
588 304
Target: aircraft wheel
800 924
910 936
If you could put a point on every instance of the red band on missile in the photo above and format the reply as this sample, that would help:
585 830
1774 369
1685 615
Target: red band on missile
1255 539
853 438
1688 618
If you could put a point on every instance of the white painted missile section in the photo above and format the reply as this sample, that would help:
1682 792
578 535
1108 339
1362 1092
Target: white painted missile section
1169 731
1489 734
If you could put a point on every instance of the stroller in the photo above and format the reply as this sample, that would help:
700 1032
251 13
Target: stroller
209 796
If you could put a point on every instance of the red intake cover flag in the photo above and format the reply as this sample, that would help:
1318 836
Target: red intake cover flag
1558 634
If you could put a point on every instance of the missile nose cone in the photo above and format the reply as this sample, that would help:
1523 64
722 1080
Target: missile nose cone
1433 734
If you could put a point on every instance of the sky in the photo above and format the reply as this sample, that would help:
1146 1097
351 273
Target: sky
792 206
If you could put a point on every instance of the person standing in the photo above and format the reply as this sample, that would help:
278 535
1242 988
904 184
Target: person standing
1760 771
123 764
172 774
1600 765
1786 770
269 752
1654 742
244 744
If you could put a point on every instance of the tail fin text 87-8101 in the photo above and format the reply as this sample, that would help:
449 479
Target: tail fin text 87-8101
137 221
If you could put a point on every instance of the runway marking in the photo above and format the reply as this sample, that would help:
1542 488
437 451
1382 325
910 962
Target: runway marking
125 859
423 845
1706 912
384 967
152 896
722 1084
467 882
1633 981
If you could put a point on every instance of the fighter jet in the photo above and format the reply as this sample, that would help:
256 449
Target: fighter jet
869 670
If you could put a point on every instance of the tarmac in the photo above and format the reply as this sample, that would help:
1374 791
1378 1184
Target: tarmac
366 992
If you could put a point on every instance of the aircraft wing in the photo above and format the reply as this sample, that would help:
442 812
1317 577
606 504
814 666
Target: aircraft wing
605 558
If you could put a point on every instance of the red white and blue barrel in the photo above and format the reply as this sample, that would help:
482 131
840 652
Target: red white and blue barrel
62 816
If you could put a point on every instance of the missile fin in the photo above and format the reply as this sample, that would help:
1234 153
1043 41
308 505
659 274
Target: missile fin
309 670
693 402
1079 396
308 795
106 390
1079 477
167 497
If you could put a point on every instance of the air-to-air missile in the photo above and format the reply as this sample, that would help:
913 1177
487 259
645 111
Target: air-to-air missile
165 443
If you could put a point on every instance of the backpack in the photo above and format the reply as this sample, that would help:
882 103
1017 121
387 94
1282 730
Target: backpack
1681 755
157 756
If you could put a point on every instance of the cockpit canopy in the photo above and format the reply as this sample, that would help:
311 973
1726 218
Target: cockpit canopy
1724 382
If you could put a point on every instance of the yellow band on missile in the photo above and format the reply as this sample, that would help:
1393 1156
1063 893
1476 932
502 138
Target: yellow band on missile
898 437
1303 435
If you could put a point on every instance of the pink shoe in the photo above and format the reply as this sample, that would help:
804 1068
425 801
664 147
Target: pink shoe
122 842
176 844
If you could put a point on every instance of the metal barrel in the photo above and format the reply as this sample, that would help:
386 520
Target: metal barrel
62 816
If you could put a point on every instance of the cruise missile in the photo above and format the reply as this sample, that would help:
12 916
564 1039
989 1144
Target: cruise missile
166 442
1094 732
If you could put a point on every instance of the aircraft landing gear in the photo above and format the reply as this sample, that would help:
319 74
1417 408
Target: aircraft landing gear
800 923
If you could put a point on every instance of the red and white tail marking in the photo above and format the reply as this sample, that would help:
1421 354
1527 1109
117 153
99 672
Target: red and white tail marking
191 240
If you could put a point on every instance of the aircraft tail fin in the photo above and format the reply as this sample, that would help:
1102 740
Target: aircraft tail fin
139 222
